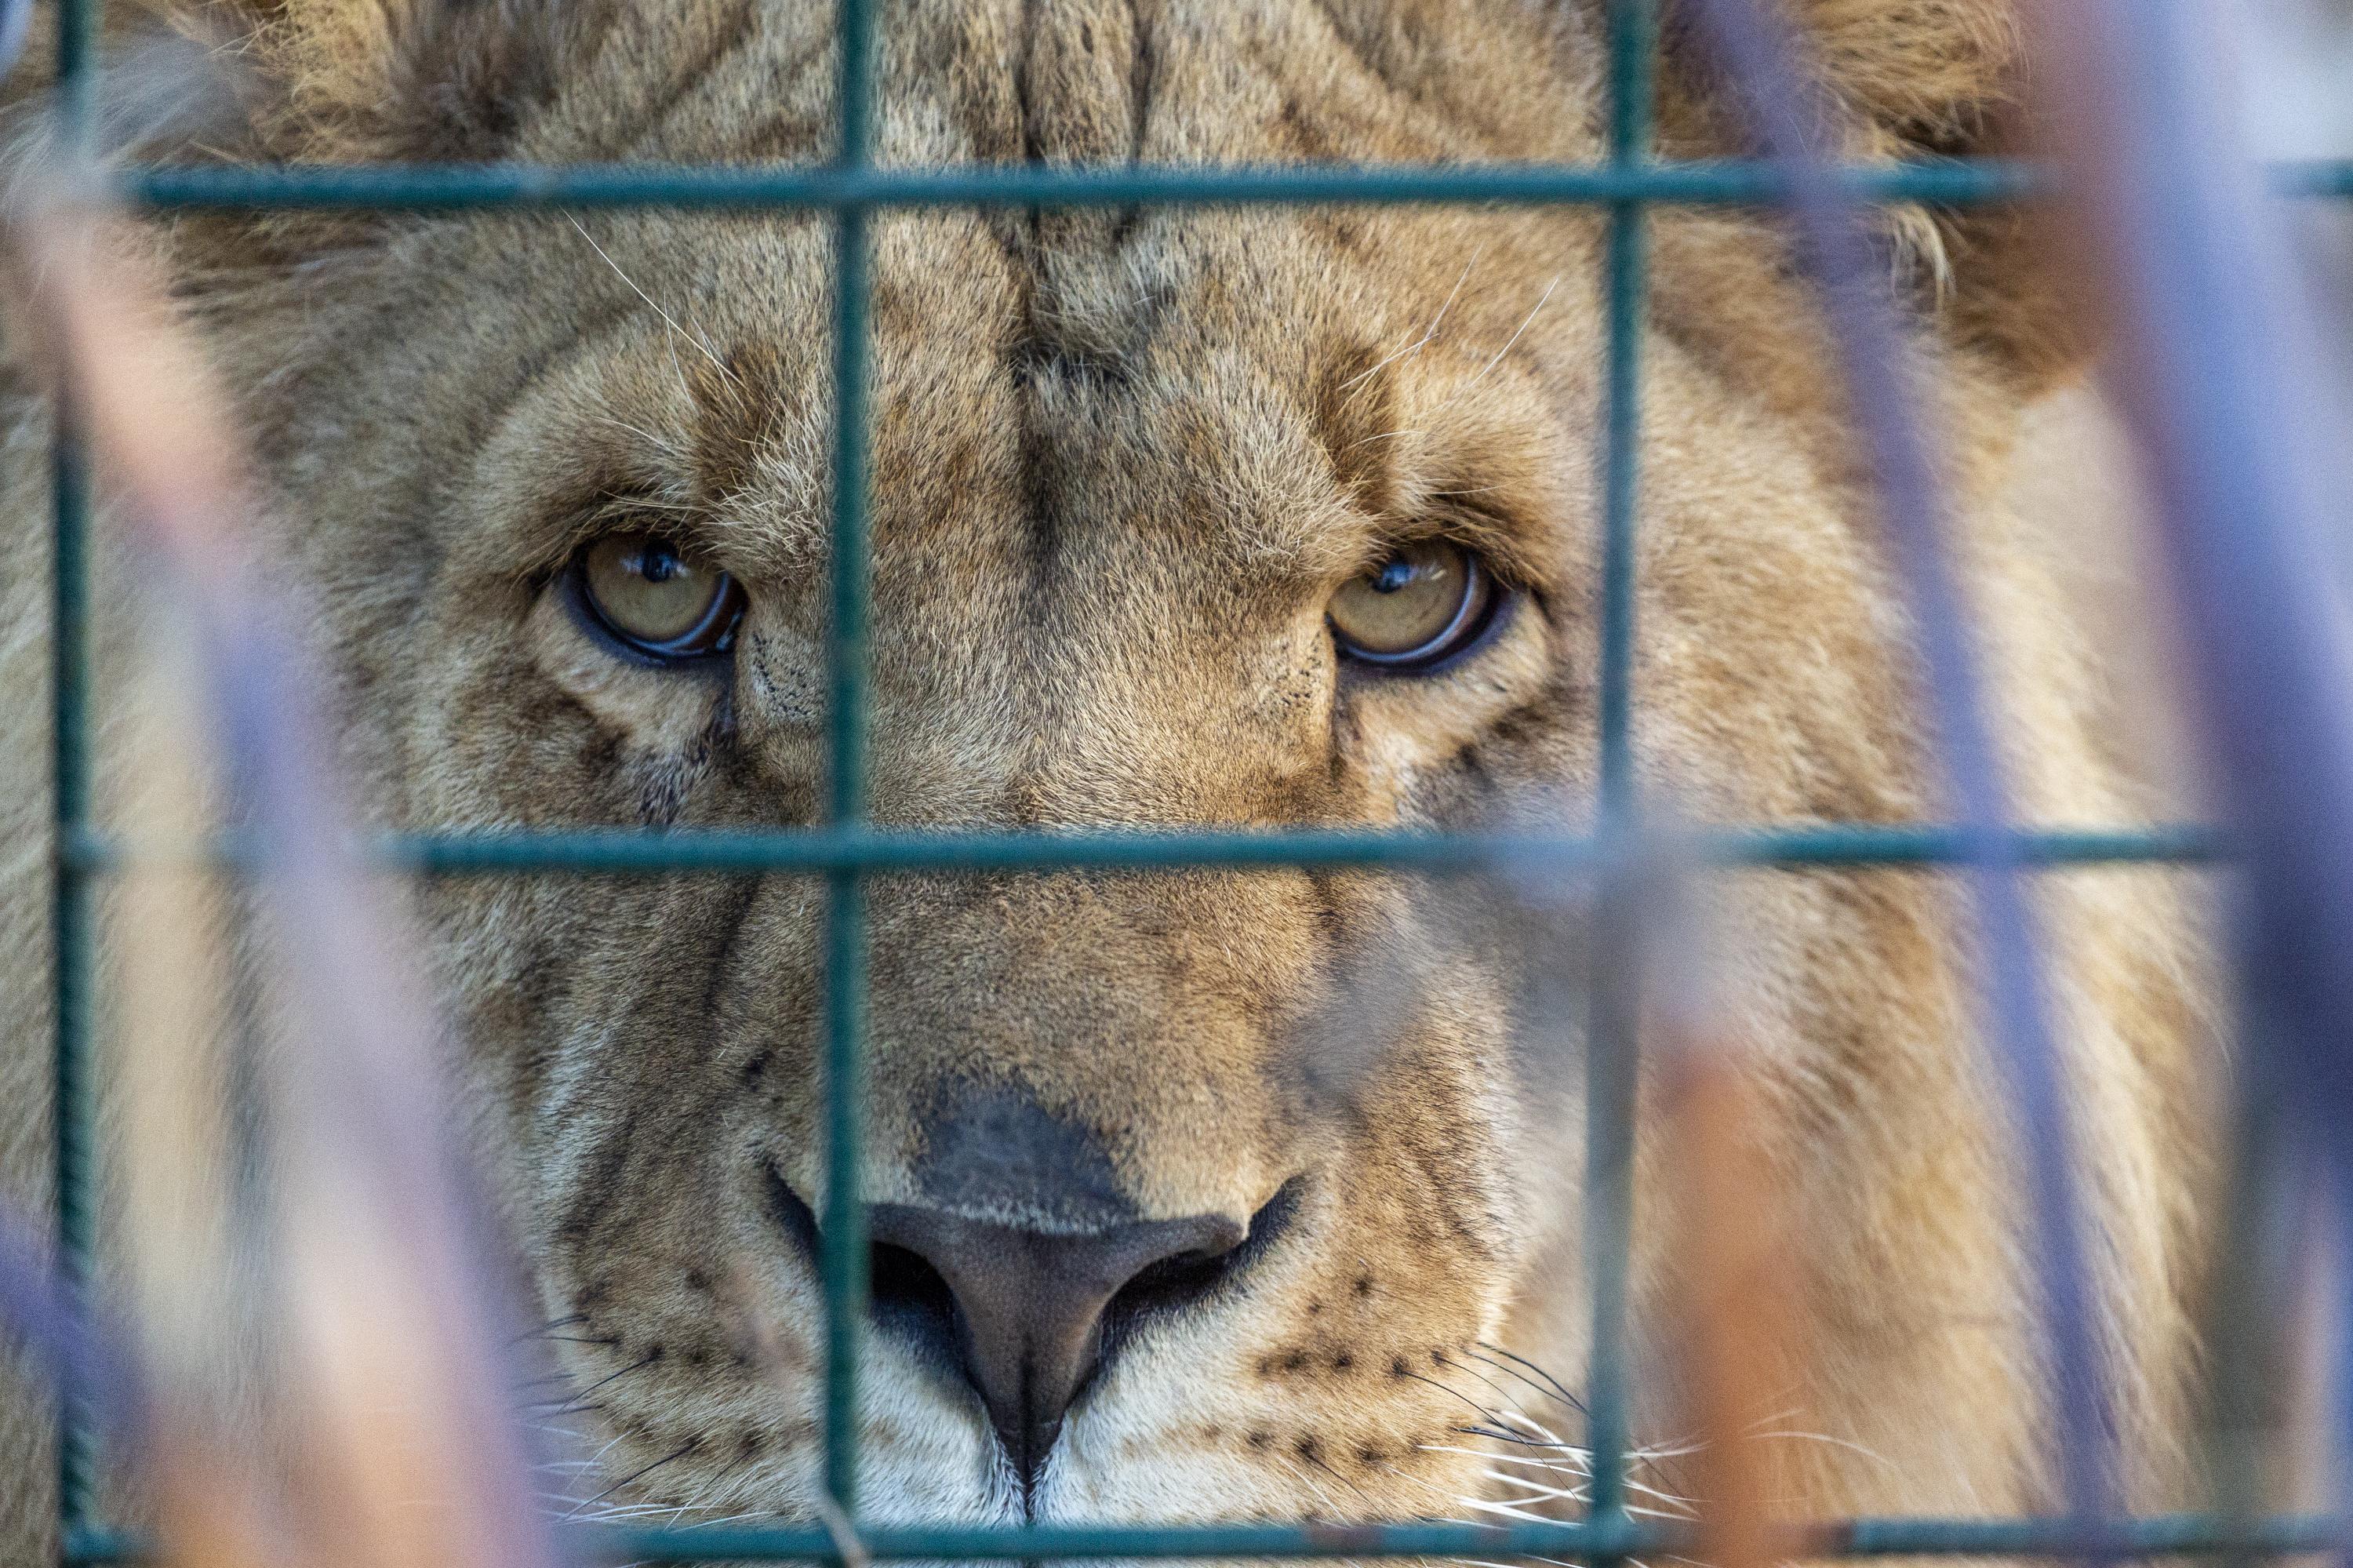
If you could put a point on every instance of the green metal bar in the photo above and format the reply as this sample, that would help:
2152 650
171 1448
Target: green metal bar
627 851
431 187
2243 1412
73 933
77 83
845 1251
1633 38
1613 1032
2329 179
1862 846
72 936
1591 1541
2161 1535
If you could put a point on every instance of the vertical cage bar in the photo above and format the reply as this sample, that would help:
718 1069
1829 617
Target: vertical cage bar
2240 1313
844 1242
71 935
71 915
1611 1048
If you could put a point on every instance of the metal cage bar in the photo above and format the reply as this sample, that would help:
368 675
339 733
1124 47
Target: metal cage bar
444 188
1591 1542
629 851
848 848
844 1250
2160 1535
1613 1023
72 913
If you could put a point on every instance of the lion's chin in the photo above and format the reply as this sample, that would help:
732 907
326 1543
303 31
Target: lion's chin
1084 1484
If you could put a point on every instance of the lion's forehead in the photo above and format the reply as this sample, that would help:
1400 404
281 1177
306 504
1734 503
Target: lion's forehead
1120 384
1088 80
1266 396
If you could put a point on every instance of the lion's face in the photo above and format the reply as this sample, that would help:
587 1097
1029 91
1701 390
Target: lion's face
1229 1163
1199 1194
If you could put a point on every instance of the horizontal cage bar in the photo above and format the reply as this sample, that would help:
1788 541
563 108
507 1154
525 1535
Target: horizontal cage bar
426 187
2202 1534
442 187
455 186
654 852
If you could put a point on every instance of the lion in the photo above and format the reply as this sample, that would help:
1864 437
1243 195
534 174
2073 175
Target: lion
1199 1194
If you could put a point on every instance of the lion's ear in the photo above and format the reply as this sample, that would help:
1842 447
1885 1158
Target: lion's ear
1925 80
1925 75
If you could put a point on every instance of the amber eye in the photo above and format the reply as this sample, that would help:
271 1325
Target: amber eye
1428 601
656 598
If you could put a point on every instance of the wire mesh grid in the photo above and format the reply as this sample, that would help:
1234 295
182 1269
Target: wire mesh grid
846 849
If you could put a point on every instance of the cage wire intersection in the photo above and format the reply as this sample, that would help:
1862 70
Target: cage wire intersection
847 848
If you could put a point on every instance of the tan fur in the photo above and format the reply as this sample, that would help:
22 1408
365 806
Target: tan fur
1121 461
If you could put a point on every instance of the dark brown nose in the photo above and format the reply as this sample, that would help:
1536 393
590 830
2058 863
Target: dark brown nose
1028 1310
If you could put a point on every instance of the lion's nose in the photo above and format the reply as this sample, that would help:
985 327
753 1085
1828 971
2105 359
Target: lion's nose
1027 1311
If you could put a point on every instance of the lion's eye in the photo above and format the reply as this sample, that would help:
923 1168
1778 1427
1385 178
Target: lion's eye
1425 603
657 599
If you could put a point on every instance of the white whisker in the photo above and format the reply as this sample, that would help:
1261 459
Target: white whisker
1511 340
1848 1444
1429 334
693 338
